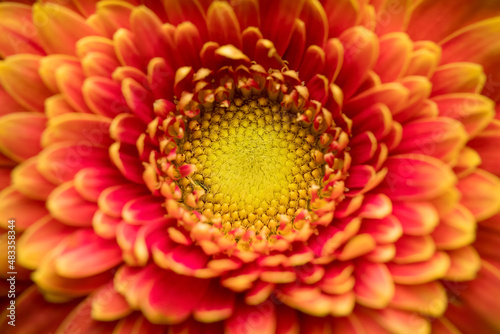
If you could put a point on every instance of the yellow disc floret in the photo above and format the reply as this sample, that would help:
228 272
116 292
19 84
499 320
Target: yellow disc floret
253 162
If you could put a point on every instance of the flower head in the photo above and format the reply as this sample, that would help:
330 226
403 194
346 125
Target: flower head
251 166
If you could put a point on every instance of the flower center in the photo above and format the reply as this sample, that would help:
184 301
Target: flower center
254 163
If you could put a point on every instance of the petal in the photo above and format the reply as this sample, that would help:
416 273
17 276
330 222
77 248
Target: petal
223 26
416 176
456 229
20 134
27 180
474 111
361 51
44 316
113 199
441 138
429 299
410 249
277 20
480 194
17 38
49 65
104 96
417 218
217 304
374 286
173 303
19 77
426 19
242 319
458 78
108 304
395 58
465 263
85 254
64 201
14 205
485 144
341 15
90 129
420 272
91 182
482 294
55 20
40 239
60 162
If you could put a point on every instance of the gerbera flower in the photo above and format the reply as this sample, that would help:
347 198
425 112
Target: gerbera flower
250 166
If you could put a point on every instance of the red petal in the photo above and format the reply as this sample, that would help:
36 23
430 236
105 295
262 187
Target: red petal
64 201
277 19
417 218
45 317
395 58
485 144
223 26
458 78
416 177
173 303
60 162
360 55
85 254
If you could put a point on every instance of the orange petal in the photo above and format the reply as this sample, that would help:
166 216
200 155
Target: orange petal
40 239
314 17
480 194
395 58
482 294
417 218
19 77
429 299
110 16
458 78
374 285
17 38
411 249
90 129
420 272
341 15
465 263
25 211
27 179
361 50
485 144
20 134
108 304
427 18
55 20
456 229
474 111
49 66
